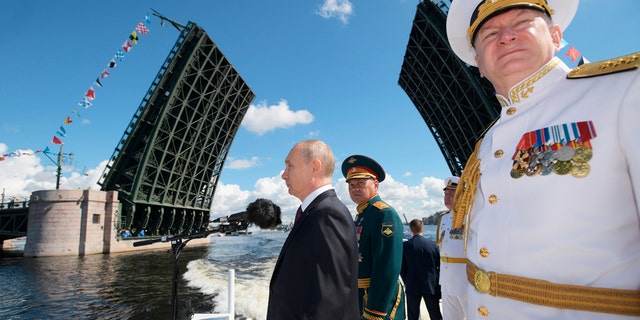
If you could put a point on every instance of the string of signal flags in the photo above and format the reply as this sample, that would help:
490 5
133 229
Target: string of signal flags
140 30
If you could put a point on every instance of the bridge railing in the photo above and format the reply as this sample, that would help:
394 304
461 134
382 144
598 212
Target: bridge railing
14 205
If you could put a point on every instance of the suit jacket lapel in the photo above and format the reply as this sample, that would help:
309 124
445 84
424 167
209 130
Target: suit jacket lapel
297 226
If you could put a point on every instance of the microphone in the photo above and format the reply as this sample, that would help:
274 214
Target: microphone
262 212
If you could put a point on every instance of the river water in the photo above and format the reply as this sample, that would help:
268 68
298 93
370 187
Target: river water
138 285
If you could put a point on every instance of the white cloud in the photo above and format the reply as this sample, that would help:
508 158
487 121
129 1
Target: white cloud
417 201
239 164
263 118
228 199
341 9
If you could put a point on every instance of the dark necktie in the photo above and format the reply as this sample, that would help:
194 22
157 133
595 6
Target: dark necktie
298 214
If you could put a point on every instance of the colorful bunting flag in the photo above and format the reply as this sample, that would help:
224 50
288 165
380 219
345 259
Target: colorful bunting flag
582 61
112 64
119 55
56 140
563 43
98 83
67 120
133 37
63 130
573 53
142 29
85 103
62 135
105 73
127 46
91 94
76 112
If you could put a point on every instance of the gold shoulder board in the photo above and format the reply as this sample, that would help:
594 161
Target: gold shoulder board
592 69
380 205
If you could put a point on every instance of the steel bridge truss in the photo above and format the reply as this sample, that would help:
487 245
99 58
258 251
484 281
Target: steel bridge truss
13 220
168 162
456 104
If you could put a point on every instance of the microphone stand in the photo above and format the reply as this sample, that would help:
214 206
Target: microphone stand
177 244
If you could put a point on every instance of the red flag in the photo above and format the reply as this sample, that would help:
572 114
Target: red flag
91 94
67 120
573 53
126 46
105 73
56 140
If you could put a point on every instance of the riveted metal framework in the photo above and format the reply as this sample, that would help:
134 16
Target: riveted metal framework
13 220
455 102
167 164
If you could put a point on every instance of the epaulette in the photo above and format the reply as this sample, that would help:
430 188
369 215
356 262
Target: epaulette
593 69
443 213
380 205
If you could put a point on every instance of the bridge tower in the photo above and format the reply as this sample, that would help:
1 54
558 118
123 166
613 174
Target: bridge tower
456 104
168 161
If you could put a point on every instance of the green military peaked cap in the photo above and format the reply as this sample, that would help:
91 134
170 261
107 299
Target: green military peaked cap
358 167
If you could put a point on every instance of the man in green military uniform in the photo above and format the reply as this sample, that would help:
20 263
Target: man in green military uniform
379 230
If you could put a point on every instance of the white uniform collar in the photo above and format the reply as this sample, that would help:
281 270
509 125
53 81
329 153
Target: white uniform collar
543 77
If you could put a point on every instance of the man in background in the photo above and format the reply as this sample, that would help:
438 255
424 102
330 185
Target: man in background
453 274
420 270
315 276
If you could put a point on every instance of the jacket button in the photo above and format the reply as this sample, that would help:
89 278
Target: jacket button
483 311
493 199
498 153
511 111
484 252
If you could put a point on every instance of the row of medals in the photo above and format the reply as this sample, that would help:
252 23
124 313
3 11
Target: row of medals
544 160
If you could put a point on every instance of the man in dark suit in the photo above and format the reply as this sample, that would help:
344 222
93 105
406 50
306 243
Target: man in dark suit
316 275
419 271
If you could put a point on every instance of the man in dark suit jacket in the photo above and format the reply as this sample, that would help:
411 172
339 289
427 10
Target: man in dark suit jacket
316 275
420 270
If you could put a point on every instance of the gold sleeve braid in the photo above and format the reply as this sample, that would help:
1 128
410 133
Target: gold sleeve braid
466 189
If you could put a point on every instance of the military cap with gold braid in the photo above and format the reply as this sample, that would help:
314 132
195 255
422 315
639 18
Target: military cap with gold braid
465 17
451 183
358 167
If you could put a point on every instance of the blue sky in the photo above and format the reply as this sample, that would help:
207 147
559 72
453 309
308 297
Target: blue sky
320 69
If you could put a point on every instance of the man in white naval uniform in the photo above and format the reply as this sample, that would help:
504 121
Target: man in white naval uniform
551 192
453 275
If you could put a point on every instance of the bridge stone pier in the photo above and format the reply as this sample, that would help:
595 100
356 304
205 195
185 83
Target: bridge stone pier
78 222
71 222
